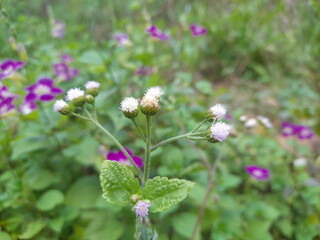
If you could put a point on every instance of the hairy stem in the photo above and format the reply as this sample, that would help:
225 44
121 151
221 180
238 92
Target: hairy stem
169 140
147 155
139 130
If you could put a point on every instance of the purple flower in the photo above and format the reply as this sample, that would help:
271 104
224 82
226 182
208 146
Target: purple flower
63 71
58 29
303 132
258 173
288 129
197 30
144 71
66 58
122 39
43 90
142 208
9 66
122 159
156 33
6 99
28 105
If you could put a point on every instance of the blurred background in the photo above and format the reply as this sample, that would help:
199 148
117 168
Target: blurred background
258 58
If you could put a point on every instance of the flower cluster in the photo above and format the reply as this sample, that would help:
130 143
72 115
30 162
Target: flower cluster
121 158
78 98
9 67
155 32
63 71
300 131
149 103
6 100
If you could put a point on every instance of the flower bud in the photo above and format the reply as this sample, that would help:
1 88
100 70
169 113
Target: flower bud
149 105
92 88
89 99
134 198
76 96
63 107
129 107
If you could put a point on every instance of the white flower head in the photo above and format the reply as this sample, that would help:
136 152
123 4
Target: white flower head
59 105
251 122
218 111
156 92
149 105
142 208
129 106
74 93
219 131
91 84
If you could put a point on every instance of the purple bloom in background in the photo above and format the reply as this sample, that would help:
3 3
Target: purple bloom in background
258 173
6 99
144 71
122 39
63 71
28 105
58 29
156 33
122 159
43 90
9 66
65 58
197 30
303 132
288 129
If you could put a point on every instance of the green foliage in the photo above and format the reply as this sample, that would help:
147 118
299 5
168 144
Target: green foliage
163 192
118 183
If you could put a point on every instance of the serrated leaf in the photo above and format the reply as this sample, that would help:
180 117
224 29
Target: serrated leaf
118 183
33 228
163 192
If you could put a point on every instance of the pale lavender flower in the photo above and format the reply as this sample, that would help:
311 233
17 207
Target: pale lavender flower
197 30
156 33
65 58
258 173
63 71
218 111
58 29
142 208
219 131
8 67
122 39
121 158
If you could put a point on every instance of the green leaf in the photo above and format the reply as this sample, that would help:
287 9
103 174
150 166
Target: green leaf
91 57
41 179
118 183
163 192
50 199
75 195
33 228
4 236
56 224
184 224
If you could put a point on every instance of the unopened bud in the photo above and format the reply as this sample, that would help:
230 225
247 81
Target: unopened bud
149 105
89 99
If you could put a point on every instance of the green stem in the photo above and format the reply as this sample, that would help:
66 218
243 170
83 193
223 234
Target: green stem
80 116
118 144
169 140
197 138
147 156
197 127
94 112
139 130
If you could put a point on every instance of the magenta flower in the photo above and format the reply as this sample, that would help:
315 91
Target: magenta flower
58 29
9 66
288 129
303 132
122 159
197 30
43 90
258 173
122 39
29 105
6 99
144 71
66 58
156 33
63 71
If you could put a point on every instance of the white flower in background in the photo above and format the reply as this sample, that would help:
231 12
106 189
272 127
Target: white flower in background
300 162
219 131
243 118
218 111
156 92
265 121
251 122
129 106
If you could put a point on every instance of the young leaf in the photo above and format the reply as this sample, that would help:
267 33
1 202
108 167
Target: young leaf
118 183
163 192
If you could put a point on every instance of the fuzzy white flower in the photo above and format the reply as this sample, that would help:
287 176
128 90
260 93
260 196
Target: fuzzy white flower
218 111
92 84
59 105
74 93
129 104
265 121
251 122
219 131
149 105
156 92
